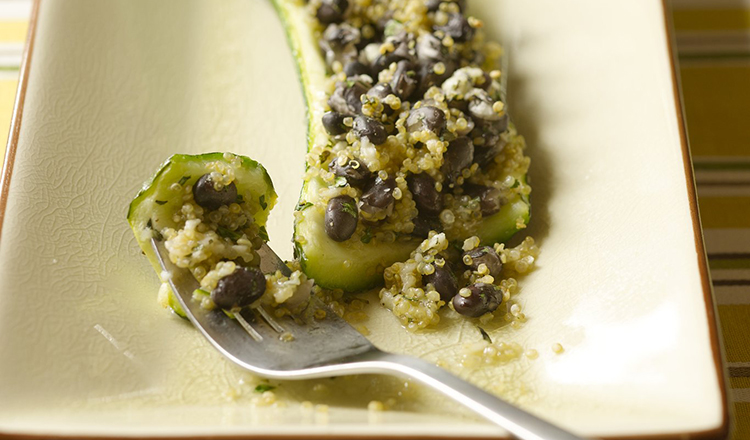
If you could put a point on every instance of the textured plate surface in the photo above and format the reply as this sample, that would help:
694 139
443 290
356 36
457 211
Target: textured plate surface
115 87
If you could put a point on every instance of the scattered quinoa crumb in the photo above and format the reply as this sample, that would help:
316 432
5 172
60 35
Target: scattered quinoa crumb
557 348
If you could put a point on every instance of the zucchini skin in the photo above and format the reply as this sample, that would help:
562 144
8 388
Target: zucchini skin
144 213
353 266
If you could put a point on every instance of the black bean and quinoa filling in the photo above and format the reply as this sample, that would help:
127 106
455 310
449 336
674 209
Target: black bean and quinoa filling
216 239
419 139
419 146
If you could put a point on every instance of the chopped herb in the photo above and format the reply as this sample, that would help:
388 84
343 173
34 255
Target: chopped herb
350 208
240 199
303 206
262 388
201 292
393 27
516 184
367 236
349 83
262 233
339 182
183 179
262 201
161 202
228 233
150 225
485 336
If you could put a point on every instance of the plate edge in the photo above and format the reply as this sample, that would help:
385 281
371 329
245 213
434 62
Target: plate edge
17 115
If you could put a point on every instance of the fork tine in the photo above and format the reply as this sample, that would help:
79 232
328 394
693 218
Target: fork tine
269 319
248 328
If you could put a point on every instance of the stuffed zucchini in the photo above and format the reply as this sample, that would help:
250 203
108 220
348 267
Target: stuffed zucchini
408 133
210 210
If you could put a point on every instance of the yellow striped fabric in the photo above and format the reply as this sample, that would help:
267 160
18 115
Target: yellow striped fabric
713 44
12 37
714 51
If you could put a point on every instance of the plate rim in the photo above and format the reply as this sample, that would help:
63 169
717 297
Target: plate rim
717 349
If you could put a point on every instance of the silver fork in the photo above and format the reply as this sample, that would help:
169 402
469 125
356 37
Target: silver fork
331 347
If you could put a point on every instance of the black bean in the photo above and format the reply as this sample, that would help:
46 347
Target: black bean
333 122
341 218
370 128
355 68
380 91
429 201
426 118
458 28
485 255
434 5
423 226
239 289
493 144
405 80
490 198
338 36
430 48
206 195
428 77
483 298
404 45
346 98
480 107
354 171
332 11
459 155
487 82
378 198
444 281
339 43
384 62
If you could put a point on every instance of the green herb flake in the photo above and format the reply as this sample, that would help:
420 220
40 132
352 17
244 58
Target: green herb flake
263 233
350 208
200 292
303 206
262 388
183 179
367 236
240 199
228 233
339 182
485 336
160 202
262 201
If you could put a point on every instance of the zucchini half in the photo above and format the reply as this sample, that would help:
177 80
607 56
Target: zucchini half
354 265
153 207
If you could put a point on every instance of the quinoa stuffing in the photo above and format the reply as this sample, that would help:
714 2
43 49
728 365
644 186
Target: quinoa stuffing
212 223
474 284
418 134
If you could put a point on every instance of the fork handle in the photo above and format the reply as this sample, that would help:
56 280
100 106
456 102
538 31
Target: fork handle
516 421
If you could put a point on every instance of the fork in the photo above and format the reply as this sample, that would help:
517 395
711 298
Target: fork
330 347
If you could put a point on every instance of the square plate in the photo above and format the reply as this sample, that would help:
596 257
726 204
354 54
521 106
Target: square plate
110 89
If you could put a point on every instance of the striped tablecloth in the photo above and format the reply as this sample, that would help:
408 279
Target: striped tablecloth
713 42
